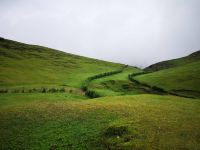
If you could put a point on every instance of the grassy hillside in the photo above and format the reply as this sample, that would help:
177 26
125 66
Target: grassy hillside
114 85
57 121
52 112
175 62
30 65
182 78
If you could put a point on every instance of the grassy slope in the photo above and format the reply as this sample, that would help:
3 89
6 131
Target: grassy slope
125 122
71 121
116 84
182 77
29 65
175 62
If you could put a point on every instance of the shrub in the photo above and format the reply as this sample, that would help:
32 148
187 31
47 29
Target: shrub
91 94
158 89
43 90
62 89
16 91
52 90
23 90
116 131
3 90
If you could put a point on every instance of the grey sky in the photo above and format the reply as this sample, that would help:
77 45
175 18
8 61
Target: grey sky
135 32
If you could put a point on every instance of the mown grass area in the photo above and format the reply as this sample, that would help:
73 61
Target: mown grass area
184 78
61 121
25 65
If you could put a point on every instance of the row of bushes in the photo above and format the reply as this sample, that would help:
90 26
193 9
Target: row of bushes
91 93
155 88
35 90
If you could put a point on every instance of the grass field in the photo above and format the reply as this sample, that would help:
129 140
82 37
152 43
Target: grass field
57 121
45 108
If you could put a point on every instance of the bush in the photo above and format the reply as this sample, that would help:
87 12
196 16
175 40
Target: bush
16 91
3 90
116 131
23 90
91 94
158 89
52 90
62 89
43 90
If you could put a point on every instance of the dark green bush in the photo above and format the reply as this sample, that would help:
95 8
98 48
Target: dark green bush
62 90
91 94
116 131
43 90
3 90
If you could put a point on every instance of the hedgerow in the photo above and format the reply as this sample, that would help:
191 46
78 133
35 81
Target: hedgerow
91 93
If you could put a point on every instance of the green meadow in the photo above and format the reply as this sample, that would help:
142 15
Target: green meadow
44 107
60 121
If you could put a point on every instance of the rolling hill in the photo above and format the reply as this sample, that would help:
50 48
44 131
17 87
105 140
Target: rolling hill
44 105
175 62
179 75
30 65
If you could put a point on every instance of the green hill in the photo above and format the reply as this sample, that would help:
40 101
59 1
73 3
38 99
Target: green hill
33 66
179 75
46 105
175 62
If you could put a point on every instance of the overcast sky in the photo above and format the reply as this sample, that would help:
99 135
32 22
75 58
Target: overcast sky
134 32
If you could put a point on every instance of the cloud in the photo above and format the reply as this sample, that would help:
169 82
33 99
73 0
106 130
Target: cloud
135 32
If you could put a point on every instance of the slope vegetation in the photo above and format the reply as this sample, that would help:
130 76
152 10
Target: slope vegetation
30 65
53 121
49 118
175 62
181 77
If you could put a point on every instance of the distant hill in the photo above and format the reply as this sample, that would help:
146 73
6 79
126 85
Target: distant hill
175 62
31 65
180 75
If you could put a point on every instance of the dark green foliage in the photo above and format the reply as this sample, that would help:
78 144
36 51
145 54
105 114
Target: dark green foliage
35 90
91 94
154 88
62 89
44 90
115 131
16 91
3 90
158 89
23 90
2 39
52 90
